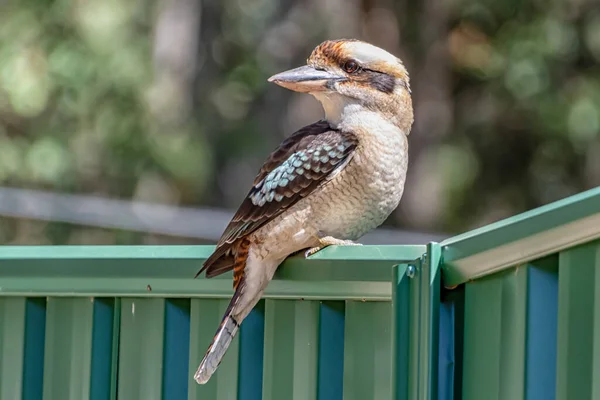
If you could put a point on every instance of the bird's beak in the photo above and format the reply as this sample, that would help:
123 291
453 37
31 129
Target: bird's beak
305 79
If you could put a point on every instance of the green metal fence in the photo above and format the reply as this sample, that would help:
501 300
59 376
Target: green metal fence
131 323
525 321
504 312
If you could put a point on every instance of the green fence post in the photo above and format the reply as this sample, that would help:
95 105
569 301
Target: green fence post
416 300
400 332
433 285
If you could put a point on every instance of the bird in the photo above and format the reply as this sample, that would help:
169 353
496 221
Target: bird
327 184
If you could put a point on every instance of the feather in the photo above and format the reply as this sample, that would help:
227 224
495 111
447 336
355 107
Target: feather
222 265
229 324
216 351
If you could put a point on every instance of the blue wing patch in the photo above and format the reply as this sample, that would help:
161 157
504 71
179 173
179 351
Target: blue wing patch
303 163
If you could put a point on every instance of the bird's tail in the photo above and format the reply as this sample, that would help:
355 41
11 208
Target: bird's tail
225 334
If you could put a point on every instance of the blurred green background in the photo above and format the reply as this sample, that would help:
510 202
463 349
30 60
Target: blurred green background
166 102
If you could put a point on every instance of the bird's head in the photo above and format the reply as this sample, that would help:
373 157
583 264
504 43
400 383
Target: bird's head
350 75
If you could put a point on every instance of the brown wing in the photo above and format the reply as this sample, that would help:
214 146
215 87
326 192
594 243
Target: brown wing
293 171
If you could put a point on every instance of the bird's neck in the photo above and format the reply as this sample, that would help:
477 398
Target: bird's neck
350 115
337 107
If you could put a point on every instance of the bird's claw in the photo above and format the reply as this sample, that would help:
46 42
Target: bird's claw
311 251
329 241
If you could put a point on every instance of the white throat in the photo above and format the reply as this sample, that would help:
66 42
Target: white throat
348 114
337 106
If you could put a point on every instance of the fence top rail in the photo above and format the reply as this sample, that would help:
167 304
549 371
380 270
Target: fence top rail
350 272
522 238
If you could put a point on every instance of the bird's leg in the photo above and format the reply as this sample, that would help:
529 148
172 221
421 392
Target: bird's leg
325 241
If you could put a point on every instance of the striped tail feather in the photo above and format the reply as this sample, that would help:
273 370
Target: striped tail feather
221 341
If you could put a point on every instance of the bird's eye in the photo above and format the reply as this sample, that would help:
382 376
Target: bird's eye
350 66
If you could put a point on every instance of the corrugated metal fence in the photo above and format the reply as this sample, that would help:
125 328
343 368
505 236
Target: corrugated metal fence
504 312
130 323
526 322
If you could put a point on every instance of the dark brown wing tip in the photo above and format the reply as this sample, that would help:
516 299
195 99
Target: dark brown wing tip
201 271
217 264
207 263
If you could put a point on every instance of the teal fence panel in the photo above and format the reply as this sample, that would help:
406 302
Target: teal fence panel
12 346
520 318
131 323
579 323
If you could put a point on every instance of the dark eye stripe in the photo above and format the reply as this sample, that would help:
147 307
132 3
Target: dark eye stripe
381 81
376 79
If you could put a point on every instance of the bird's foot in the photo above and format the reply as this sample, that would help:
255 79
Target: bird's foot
329 241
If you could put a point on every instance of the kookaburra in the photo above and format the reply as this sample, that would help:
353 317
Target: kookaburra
327 184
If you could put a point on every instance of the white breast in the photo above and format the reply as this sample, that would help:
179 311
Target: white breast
364 194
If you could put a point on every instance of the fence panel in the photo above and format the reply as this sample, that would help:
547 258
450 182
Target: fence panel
331 350
531 304
578 361
507 334
205 317
12 346
68 348
291 349
542 313
130 322
494 337
367 350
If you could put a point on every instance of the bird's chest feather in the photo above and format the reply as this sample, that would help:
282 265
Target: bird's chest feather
366 191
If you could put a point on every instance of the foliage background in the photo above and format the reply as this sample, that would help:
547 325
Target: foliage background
166 101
